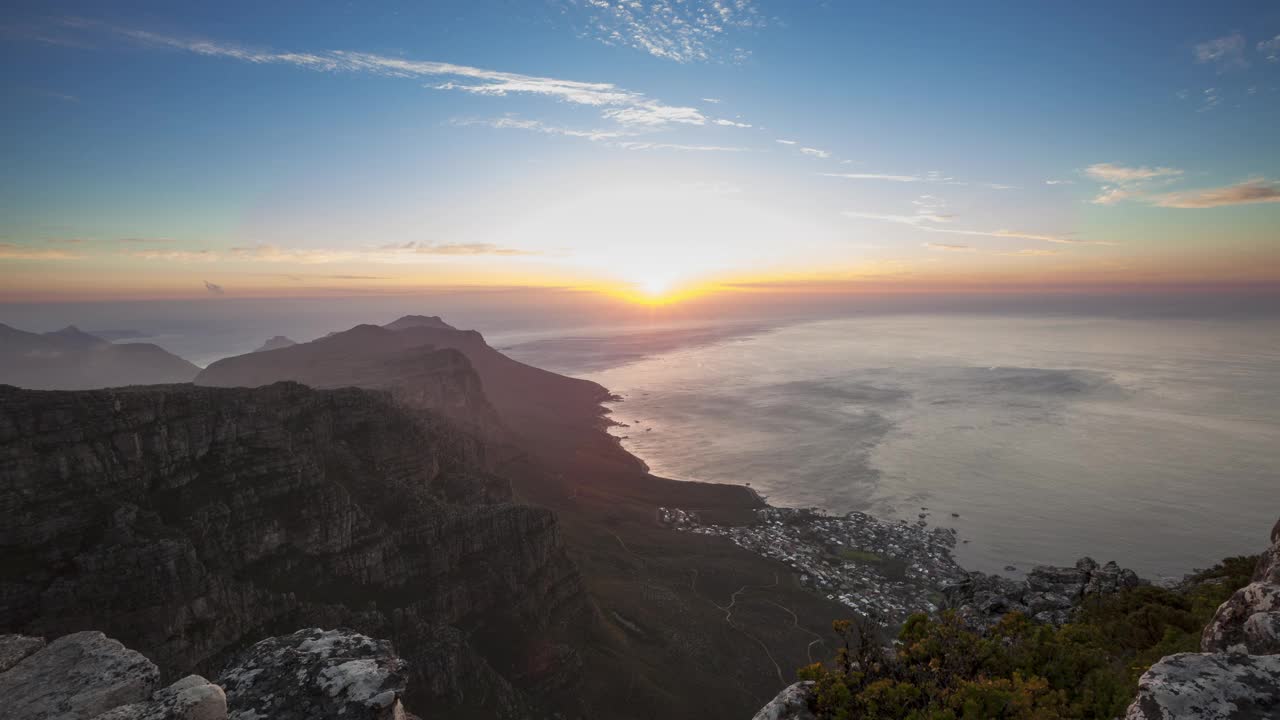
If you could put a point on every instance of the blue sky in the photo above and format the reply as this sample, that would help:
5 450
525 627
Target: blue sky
153 147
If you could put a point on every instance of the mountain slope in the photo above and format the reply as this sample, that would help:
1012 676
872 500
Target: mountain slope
71 359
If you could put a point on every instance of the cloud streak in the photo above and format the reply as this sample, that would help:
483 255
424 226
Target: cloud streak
11 251
928 220
1255 190
620 105
1123 182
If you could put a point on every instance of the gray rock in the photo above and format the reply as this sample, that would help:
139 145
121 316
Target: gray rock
1058 581
191 698
1268 569
1262 633
1047 595
790 704
13 648
75 677
316 673
1209 686
1225 632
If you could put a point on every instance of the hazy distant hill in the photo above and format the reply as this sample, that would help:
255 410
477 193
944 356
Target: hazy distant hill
275 343
71 359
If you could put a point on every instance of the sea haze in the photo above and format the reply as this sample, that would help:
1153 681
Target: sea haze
1154 442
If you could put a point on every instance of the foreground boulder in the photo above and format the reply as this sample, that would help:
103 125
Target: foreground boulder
790 704
76 677
191 698
1237 676
1209 686
316 673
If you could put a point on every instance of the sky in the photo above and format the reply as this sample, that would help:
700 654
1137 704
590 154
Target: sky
650 150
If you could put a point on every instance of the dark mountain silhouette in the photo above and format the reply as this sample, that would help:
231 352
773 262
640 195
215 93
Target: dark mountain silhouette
419 321
659 625
71 359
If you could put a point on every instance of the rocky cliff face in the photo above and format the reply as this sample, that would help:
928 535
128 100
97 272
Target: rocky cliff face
190 522
1237 674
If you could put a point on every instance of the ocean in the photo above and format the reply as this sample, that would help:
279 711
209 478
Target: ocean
1154 442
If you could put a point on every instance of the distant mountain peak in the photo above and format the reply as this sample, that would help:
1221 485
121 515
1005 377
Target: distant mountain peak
275 343
76 335
417 321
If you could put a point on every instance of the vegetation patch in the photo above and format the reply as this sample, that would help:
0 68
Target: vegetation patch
1019 670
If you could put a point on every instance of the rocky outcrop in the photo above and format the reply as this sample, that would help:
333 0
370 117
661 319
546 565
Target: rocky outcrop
1249 621
192 521
790 704
14 648
1048 594
311 674
1237 674
316 673
77 676
1209 686
71 359
191 698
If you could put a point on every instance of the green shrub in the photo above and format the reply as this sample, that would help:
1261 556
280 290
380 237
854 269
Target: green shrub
1019 670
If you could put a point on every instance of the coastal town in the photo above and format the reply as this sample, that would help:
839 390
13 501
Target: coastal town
881 568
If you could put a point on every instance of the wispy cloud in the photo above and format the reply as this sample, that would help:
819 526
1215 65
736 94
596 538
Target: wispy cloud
786 142
635 145
949 247
383 253
1033 252
1120 174
815 152
620 105
1059 182
1122 182
679 30
508 123
928 218
185 256
1227 52
421 248
1270 49
876 176
214 289
933 176
1254 190
11 251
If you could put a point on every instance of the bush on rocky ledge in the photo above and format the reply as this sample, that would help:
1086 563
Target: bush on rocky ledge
942 669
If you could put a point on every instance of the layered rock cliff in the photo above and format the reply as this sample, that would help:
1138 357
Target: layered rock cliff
191 521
